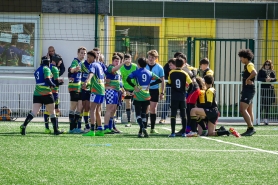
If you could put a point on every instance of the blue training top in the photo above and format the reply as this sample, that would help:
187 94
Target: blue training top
158 71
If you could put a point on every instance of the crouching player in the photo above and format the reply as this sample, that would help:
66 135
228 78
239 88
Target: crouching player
42 95
208 110
143 78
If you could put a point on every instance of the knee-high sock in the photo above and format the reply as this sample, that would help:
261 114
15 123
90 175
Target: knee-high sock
46 119
173 124
153 119
128 114
193 123
28 118
71 119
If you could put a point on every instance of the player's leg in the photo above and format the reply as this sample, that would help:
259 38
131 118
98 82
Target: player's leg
144 106
182 107
195 113
138 113
153 108
74 96
174 109
86 109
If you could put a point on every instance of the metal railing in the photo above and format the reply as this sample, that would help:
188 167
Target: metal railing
17 94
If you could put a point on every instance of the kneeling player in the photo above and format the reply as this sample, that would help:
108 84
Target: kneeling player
208 110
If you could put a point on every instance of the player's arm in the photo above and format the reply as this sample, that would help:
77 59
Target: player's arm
56 76
116 68
47 77
74 68
209 97
209 72
157 80
90 76
129 79
189 82
62 68
251 69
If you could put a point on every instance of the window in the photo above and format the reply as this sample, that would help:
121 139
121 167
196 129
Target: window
18 43
137 40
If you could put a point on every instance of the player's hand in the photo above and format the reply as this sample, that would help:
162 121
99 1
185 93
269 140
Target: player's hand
84 85
136 89
47 55
59 63
161 96
77 69
248 82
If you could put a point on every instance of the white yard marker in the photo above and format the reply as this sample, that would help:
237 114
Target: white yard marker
188 150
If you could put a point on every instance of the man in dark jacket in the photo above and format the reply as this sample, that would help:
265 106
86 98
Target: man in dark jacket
57 59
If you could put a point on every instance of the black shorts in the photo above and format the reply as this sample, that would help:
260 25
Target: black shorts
128 97
178 105
75 96
247 95
85 95
141 103
212 115
48 99
154 95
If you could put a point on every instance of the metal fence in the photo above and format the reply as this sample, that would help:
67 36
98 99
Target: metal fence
17 94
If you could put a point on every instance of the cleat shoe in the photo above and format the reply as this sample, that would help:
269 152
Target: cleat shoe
153 131
78 131
86 130
249 132
204 133
99 133
108 131
145 132
179 133
22 130
47 131
128 125
90 133
57 132
183 135
72 131
162 121
192 134
116 131
172 135
234 132
140 135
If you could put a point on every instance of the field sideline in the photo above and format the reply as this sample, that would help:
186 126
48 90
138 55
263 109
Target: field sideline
38 158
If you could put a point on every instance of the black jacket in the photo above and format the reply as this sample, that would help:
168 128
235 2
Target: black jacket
262 75
57 58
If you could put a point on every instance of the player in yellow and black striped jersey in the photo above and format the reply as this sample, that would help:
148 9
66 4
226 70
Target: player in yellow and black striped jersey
177 80
207 109
248 90
204 68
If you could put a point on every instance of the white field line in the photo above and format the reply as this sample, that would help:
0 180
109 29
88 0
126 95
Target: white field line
188 150
243 146
235 144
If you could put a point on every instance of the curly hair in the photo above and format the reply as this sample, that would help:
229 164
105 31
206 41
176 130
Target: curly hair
201 83
246 53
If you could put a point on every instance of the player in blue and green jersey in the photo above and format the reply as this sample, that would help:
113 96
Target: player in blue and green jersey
75 89
55 91
126 70
42 95
112 88
143 78
97 87
85 93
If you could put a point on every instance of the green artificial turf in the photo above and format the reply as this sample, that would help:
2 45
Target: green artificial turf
39 158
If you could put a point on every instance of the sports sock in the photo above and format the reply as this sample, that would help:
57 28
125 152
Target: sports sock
110 124
153 119
71 119
128 114
222 132
193 123
28 118
46 119
173 124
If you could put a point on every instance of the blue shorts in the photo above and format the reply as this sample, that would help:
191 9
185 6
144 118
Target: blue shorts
111 96
96 98
85 95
